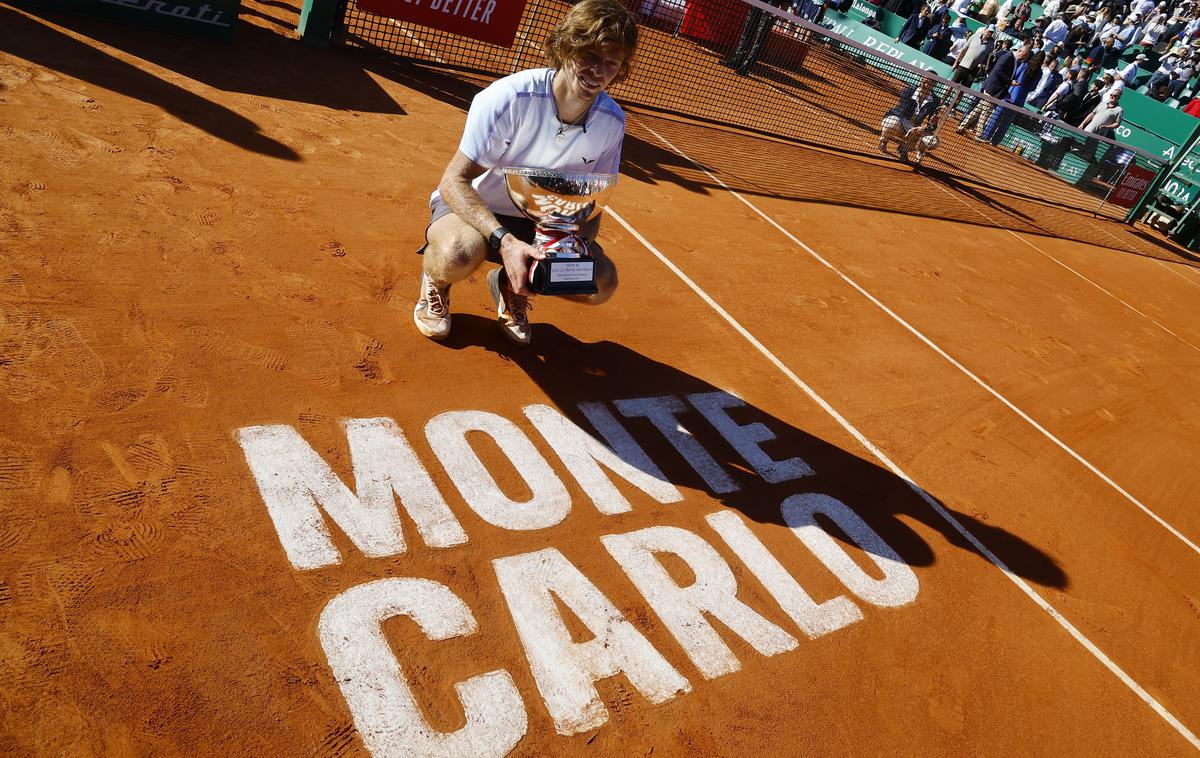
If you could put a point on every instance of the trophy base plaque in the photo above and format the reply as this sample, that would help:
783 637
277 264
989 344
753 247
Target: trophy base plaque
563 276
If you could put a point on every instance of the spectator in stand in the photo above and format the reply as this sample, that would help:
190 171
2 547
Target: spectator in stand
916 27
940 10
1078 33
1021 14
1160 91
1191 28
1152 32
1169 63
1182 75
1105 118
1003 13
996 84
1051 8
1142 7
1129 32
1132 70
1066 95
1112 84
1175 24
1047 83
987 12
1104 54
937 42
1086 104
961 7
1056 31
1193 107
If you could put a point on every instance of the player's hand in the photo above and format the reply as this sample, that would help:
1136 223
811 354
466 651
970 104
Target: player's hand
516 256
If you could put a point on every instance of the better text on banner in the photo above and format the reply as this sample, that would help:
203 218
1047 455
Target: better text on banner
492 21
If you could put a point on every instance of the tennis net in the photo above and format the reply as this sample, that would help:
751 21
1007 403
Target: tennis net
806 84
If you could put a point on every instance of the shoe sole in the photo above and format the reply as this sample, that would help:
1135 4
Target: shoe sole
493 280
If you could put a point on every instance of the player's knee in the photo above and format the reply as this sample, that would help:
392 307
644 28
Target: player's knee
454 256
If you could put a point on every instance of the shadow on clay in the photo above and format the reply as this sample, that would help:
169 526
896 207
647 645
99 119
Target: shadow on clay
570 371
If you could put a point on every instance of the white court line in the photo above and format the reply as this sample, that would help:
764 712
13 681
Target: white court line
933 503
412 37
1187 279
998 225
913 330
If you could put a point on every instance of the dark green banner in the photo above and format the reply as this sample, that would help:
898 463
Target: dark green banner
198 18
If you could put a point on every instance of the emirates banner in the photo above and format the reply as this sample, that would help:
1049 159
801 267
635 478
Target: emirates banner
1131 187
493 21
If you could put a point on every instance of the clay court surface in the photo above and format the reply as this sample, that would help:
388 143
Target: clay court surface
200 239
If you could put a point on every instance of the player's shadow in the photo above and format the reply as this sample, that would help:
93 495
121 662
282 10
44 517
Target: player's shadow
570 372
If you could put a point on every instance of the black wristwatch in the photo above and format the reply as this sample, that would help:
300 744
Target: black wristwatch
497 237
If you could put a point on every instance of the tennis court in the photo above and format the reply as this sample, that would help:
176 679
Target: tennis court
205 248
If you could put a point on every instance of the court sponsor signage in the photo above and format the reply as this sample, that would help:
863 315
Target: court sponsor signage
305 498
493 21
199 18
1132 186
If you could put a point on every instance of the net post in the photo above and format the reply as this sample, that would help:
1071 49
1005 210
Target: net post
317 19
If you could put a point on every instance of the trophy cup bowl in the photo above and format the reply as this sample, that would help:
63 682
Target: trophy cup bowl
559 202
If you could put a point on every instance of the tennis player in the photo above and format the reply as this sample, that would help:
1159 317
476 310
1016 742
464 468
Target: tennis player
558 117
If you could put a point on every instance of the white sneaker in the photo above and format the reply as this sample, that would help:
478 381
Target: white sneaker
511 310
432 313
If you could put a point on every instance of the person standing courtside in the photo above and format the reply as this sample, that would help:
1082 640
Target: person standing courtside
557 118
755 31
997 83
971 58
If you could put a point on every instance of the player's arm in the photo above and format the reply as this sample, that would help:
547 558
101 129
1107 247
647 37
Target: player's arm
466 203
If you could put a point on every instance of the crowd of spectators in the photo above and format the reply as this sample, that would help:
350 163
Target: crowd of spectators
1070 58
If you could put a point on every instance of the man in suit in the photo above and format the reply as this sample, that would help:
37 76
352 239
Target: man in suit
912 120
999 79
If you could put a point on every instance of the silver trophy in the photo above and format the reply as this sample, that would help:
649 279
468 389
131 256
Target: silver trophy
559 202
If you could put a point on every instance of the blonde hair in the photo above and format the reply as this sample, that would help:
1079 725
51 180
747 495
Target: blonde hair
589 25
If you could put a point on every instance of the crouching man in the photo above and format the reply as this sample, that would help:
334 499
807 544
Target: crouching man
560 118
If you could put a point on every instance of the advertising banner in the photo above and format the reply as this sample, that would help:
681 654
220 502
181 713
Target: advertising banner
1131 187
493 21
198 18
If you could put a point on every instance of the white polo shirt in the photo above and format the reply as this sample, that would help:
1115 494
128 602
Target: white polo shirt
514 122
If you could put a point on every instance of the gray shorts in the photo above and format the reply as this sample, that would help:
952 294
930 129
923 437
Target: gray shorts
521 227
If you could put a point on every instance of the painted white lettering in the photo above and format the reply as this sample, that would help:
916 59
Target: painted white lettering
296 485
475 10
899 584
385 712
436 4
582 454
565 671
813 619
682 609
487 12
549 504
746 439
384 463
662 411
